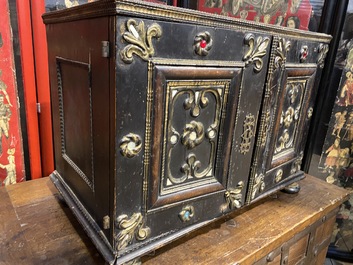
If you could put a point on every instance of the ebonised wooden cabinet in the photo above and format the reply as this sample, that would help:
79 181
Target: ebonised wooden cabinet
165 119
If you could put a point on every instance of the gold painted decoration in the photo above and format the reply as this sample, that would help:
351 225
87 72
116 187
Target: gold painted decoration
130 228
140 40
203 43
234 196
258 186
265 128
323 50
187 213
130 145
248 133
257 50
281 52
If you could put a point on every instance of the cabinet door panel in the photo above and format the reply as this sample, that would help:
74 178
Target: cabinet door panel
280 162
191 131
291 112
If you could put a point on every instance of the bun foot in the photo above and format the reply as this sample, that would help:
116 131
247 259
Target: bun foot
292 188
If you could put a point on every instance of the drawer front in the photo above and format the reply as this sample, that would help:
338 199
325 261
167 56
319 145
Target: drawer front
186 113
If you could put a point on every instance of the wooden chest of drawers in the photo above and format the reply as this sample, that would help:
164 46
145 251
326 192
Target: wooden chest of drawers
165 119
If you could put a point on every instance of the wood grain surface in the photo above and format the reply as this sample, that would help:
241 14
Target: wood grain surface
36 227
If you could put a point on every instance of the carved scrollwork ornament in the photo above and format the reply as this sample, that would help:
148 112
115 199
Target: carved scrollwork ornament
279 175
130 228
140 40
203 43
281 52
248 133
234 196
265 128
187 213
323 50
257 50
130 145
259 185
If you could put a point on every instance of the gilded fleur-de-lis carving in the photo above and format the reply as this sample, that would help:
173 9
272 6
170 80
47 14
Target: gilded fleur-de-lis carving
281 52
130 228
191 166
234 196
257 50
323 50
140 40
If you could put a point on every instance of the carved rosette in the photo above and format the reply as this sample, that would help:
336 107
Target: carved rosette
234 196
130 145
281 52
203 43
257 50
310 112
304 52
140 40
187 213
193 134
130 228
258 186
248 133
323 50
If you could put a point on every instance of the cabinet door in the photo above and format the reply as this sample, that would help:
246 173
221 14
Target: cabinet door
286 113
187 108
80 103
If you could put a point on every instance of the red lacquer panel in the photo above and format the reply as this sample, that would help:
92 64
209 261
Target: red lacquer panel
11 152
289 13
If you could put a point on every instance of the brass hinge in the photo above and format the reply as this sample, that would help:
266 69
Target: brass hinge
105 49
106 222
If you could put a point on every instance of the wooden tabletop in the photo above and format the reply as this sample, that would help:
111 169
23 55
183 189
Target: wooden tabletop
37 227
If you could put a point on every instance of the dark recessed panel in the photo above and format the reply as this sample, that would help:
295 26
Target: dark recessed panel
76 117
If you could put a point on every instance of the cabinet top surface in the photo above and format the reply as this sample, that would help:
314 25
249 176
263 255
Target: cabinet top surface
174 14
